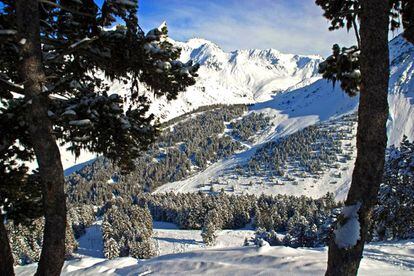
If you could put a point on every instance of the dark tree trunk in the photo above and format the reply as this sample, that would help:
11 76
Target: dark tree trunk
6 257
371 134
44 142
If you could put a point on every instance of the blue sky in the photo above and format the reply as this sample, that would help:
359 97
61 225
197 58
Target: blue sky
291 26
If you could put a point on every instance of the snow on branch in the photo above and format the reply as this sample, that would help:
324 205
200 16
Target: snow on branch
82 41
84 122
8 32
69 112
127 3
11 86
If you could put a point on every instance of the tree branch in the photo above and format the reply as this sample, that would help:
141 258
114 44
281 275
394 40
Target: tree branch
73 48
10 86
50 3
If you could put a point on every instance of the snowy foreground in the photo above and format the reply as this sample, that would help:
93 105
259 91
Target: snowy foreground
227 258
379 259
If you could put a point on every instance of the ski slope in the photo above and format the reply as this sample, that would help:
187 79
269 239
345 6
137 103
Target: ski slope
288 113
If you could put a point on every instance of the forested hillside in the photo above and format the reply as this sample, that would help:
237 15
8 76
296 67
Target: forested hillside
184 148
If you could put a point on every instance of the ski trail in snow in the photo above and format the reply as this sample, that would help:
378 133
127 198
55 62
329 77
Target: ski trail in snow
393 254
211 171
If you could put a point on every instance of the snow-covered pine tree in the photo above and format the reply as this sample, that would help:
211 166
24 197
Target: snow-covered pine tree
394 214
106 229
81 216
20 202
287 240
210 227
141 245
26 240
310 237
297 228
142 250
131 227
70 242
241 214
270 237
55 57
111 249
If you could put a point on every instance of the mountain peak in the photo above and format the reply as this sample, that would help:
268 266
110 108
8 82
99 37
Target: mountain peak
197 42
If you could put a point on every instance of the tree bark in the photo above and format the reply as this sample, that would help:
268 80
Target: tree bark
371 132
44 142
6 257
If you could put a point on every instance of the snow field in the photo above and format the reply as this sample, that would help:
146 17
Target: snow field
387 259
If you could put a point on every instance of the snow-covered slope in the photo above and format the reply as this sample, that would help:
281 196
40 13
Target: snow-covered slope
182 252
289 112
379 259
401 96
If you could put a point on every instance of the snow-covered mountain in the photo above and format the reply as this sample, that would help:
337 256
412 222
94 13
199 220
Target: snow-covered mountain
242 76
287 90
259 76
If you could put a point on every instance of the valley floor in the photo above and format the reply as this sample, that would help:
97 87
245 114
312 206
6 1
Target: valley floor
182 252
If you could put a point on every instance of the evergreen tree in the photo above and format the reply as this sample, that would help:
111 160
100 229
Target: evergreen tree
258 219
26 240
270 237
111 249
142 250
130 226
394 214
81 217
210 227
50 54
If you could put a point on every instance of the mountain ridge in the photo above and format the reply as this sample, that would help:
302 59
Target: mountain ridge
243 76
